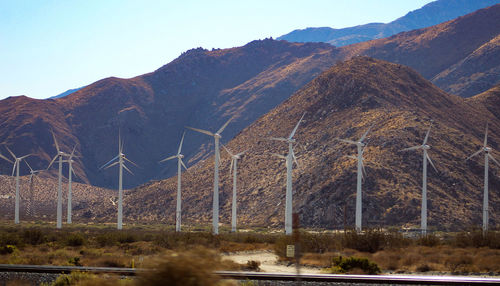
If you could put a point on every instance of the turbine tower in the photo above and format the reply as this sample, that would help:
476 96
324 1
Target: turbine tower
121 162
16 162
487 156
70 172
215 206
289 165
30 208
179 157
359 202
59 156
233 169
425 147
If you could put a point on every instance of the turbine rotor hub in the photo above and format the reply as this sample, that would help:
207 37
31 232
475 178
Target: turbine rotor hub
181 156
217 135
487 149
426 147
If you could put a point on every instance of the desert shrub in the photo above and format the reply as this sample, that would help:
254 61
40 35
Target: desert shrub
75 261
34 236
74 239
346 265
252 265
430 240
423 268
83 279
190 268
368 241
11 238
7 249
476 238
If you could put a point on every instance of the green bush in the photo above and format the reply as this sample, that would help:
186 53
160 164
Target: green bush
430 240
346 265
75 239
34 236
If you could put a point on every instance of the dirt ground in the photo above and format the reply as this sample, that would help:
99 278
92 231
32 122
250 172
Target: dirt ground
268 262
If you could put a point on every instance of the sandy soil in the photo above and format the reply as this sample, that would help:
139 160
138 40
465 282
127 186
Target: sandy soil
268 262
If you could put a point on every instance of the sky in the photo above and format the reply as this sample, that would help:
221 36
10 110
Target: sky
48 47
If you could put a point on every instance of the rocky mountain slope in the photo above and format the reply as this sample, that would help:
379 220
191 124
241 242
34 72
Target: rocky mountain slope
344 102
431 14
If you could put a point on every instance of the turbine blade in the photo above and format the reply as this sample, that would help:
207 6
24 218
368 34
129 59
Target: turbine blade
241 153
72 152
180 145
366 133
486 135
225 125
227 150
412 148
182 163
6 159
125 167
168 158
427 135
278 139
432 164
11 153
295 159
279 156
52 162
14 168
126 159
55 141
120 140
31 170
347 141
114 164
493 159
116 157
201 131
25 156
296 127
475 154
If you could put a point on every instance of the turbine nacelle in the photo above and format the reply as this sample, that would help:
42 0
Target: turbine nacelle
487 149
180 156
426 147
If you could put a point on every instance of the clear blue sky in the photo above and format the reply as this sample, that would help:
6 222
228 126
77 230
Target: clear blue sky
47 47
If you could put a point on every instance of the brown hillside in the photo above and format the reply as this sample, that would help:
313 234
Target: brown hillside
460 56
343 102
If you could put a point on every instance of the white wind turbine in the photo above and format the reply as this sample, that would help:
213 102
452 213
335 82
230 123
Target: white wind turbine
425 147
121 162
359 202
70 171
289 165
233 169
32 174
179 157
59 156
16 162
215 205
487 156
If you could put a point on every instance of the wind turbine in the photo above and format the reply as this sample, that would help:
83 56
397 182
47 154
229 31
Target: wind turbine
70 171
179 157
59 156
487 156
32 174
425 147
289 165
359 202
215 205
16 162
121 162
233 169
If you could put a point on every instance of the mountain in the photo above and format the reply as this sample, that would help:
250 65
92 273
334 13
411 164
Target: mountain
201 88
67 92
344 102
431 14
461 56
